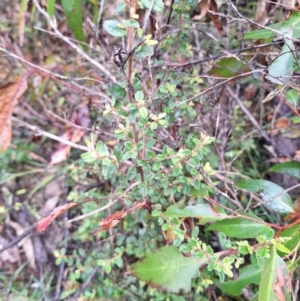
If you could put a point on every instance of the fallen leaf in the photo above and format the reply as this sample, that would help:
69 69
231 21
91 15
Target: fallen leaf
204 6
110 221
282 123
44 223
9 96
81 118
26 243
10 255
213 5
137 206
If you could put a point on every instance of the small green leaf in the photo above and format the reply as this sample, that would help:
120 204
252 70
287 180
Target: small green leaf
195 232
113 28
101 148
131 23
158 5
107 268
294 234
128 145
88 157
282 248
144 51
292 96
143 112
139 96
117 91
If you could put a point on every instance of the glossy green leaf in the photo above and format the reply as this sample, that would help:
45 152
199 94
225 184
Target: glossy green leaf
131 23
139 96
205 212
143 112
50 7
144 51
229 67
241 228
247 275
158 5
293 22
272 194
114 28
168 269
73 13
117 91
275 282
88 157
290 168
281 68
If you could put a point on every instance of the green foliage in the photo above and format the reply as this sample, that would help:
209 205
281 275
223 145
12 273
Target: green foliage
160 267
73 13
168 183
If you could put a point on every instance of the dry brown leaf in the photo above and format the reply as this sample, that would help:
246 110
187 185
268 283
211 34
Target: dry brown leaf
10 255
110 221
26 243
44 223
282 123
213 5
9 96
137 206
261 12
204 6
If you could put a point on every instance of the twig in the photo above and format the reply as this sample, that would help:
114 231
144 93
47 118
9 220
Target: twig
18 238
219 85
219 56
85 284
169 17
62 265
49 135
147 17
79 126
71 44
106 206
56 75
257 126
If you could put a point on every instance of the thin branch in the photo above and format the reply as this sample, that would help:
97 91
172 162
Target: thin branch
56 75
63 263
257 126
79 126
18 238
85 284
219 56
71 44
219 85
49 135
106 206
147 17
